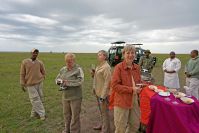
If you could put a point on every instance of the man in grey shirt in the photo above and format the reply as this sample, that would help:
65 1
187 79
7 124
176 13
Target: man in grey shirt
192 73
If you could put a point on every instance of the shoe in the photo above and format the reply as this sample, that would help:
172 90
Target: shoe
98 127
32 115
42 118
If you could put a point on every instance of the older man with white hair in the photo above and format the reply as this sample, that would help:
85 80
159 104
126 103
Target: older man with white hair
171 66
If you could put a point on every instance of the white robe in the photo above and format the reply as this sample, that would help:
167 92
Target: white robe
171 80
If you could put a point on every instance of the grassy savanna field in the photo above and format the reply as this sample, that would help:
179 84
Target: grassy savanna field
15 106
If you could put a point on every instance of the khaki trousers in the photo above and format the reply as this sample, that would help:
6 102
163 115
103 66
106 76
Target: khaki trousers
124 119
36 94
71 111
104 112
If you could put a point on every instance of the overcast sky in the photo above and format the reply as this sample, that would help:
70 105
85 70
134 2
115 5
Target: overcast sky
90 25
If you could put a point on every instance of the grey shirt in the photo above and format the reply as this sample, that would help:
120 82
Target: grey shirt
75 78
192 67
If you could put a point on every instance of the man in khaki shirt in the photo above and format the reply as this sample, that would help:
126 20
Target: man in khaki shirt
101 86
32 74
146 61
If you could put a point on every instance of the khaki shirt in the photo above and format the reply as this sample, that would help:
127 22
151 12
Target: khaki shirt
75 78
102 78
31 72
146 63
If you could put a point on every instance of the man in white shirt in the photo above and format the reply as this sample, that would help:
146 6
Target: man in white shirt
171 66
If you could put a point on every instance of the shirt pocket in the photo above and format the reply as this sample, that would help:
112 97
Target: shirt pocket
126 78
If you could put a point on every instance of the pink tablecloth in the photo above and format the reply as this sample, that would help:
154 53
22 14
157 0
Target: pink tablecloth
167 117
145 105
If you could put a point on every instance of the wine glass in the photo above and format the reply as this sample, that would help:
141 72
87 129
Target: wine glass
93 67
92 71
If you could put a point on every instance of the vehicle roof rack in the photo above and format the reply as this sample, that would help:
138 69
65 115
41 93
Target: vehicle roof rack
118 42
134 44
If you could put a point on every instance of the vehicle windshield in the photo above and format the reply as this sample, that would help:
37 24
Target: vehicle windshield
139 51
119 50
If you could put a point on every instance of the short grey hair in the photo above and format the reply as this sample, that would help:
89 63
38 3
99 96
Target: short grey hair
128 48
70 55
104 53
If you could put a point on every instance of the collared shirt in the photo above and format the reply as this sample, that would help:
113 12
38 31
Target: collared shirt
146 63
75 78
102 78
122 84
172 64
31 72
171 80
192 67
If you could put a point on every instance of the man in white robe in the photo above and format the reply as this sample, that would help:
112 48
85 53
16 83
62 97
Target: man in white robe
171 66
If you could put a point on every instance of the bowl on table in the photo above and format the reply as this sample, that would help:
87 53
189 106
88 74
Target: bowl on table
179 94
164 94
187 100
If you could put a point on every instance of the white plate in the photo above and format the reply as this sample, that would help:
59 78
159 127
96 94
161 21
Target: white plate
153 87
158 90
187 100
164 94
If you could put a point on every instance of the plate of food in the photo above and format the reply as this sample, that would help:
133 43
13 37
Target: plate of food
187 100
164 94
153 87
158 90
179 95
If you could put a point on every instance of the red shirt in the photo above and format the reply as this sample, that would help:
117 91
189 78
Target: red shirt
122 85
